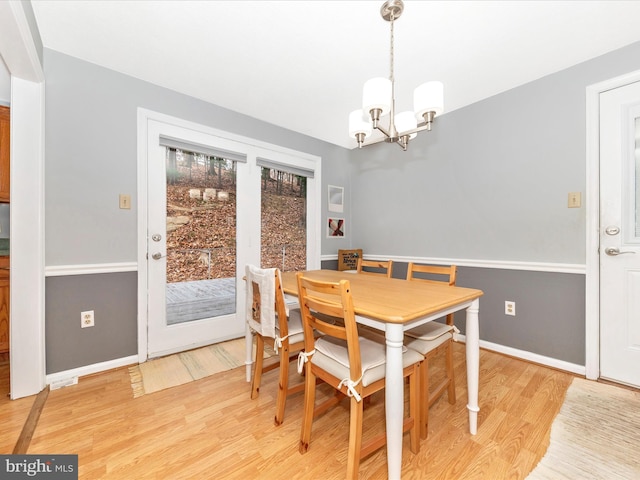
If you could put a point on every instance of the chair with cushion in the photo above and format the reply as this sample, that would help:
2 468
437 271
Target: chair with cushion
353 365
432 339
377 267
269 321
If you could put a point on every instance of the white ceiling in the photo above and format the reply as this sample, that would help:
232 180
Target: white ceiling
301 64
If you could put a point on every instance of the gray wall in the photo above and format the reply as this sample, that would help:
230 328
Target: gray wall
91 155
490 183
90 158
550 309
112 297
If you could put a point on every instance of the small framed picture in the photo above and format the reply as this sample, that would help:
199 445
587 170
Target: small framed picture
336 199
335 228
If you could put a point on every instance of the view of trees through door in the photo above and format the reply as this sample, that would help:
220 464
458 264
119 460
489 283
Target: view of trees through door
201 213
201 231
284 220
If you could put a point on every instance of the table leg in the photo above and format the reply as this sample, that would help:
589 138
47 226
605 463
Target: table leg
472 334
394 396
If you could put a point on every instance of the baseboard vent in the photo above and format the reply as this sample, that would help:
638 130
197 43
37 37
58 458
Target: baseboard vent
65 382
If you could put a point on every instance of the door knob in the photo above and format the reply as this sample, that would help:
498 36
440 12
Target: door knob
613 251
156 256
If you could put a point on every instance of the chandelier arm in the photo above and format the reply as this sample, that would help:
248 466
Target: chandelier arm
383 130
421 128
374 141
403 144
427 121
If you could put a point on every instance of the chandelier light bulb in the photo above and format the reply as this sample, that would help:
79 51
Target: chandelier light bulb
376 94
428 97
359 126
406 121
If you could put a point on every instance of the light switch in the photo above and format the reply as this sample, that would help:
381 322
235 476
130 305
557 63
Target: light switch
125 201
575 200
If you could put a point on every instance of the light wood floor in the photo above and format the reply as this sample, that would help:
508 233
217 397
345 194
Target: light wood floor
212 429
13 413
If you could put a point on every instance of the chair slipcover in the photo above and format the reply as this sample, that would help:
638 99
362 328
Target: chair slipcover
261 298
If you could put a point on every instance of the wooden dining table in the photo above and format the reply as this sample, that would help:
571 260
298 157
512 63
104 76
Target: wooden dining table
392 305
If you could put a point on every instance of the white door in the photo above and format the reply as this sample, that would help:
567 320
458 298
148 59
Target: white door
192 278
257 227
620 234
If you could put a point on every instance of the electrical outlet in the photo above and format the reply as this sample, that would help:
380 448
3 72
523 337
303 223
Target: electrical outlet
87 319
510 308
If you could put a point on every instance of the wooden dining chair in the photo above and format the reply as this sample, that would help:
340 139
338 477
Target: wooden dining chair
269 321
432 339
377 267
353 365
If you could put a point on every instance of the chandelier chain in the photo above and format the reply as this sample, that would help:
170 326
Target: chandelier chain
391 77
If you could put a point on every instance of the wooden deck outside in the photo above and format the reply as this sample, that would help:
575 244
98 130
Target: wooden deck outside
188 301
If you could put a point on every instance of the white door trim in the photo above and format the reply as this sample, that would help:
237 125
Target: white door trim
27 331
592 287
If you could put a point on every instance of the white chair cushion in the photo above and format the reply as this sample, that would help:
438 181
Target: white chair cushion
429 331
427 337
331 355
296 333
372 353
290 300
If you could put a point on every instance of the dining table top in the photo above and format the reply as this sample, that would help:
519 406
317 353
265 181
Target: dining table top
391 300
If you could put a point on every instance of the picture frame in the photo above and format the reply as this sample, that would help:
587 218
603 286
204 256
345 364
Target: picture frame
335 227
336 199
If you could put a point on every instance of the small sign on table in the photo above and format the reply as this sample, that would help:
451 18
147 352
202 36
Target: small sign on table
348 259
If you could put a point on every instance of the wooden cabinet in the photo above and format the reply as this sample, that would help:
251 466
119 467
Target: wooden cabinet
4 304
4 197
4 154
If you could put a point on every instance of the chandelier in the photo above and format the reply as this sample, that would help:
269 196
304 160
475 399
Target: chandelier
378 100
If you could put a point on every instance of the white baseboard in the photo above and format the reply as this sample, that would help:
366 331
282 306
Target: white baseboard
530 357
70 377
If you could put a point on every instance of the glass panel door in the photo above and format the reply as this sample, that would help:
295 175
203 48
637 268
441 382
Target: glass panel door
205 218
201 235
191 240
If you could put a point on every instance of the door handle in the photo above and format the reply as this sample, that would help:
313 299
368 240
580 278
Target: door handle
156 256
613 252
